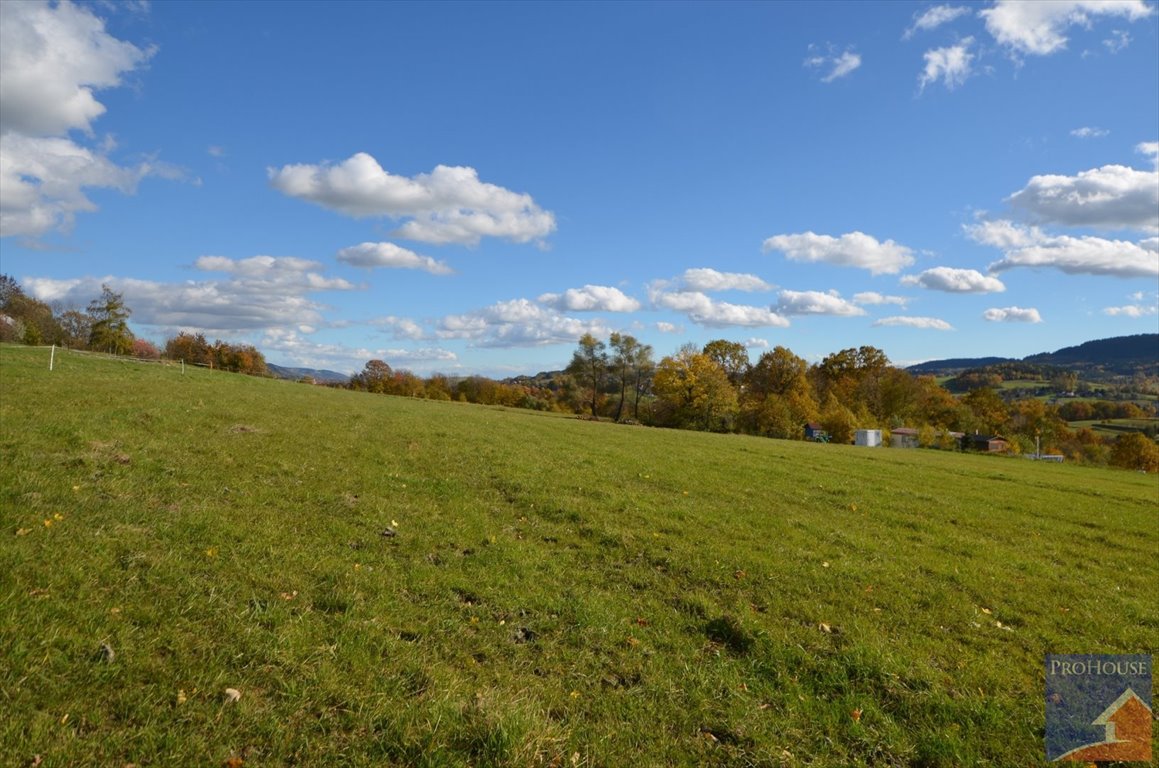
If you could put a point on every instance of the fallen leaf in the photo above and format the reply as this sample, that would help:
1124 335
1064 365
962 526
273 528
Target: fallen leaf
825 564
232 695
23 531
856 715
739 575
393 523
181 698
234 762
986 611
825 628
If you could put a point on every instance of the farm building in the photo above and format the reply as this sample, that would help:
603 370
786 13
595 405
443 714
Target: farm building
869 438
987 443
814 431
904 437
909 437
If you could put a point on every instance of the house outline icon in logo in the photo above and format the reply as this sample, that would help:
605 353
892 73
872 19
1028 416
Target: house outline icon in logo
1128 733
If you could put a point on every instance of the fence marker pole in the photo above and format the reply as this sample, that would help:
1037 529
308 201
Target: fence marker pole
52 357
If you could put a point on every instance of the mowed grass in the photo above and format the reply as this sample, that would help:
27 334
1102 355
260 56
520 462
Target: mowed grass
557 592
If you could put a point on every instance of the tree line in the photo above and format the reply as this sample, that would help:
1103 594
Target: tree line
104 327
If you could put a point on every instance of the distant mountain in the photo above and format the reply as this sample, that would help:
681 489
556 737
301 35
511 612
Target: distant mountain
1118 356
297 374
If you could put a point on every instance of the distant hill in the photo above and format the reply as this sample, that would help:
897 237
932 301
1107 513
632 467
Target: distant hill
297 374
1118 356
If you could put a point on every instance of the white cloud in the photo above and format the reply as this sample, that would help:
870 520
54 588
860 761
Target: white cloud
517 323
952 65
906 321
591 298
873 297
292 347
838 65
261 293
664 327
1131 310
816 303
1110 197
447 205
1150 149
215 151
709 280
934 17
1031 247
1012 315
1118 41
52 59
702 310
955 280
1039 28
1089 132
400 327
855 249
755 343
372 255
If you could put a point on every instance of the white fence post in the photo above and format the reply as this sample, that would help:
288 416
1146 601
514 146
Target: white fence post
52 357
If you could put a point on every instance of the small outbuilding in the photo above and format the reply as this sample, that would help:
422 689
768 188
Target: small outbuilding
814 431
987 443
904 437
868 438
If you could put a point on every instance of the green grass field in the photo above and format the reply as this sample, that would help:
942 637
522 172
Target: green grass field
556 591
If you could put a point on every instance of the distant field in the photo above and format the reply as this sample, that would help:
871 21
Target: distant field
1114 427
393 582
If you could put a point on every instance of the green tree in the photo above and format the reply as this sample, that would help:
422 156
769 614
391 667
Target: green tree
110 323
988 410
778 396
589 365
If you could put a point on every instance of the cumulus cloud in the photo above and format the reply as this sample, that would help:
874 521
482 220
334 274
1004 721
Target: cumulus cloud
260 293
53 58
953 280
665 327
906 321
1110 197
1039 28
1131 310
1150 149
855 249
816 303
1031 247
517 323
952 65
591 298
1089 132
448 205
873 297
934 17
755 343
372 255
400 327
702 310
299 350
709 280
835 65
1012 315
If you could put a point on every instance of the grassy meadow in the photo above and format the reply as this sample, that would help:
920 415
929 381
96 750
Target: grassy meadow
379 581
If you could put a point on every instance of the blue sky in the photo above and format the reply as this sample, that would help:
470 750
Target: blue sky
468 188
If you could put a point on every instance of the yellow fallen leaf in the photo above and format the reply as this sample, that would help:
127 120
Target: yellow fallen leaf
986 611
181 698
825 628
23 531
232 694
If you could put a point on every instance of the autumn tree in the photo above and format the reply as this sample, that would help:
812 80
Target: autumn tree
630 366
190 348
110 327
693 391
778 396
731 356
987 410
1135 450
837 420
374 377
589 365
30 321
